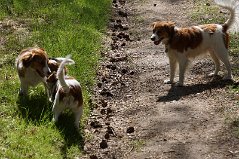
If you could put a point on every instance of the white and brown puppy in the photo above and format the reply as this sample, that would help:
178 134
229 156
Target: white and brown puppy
54 63
65 92
181 44
32 68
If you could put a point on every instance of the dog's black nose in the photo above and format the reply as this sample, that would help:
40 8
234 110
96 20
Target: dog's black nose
153 38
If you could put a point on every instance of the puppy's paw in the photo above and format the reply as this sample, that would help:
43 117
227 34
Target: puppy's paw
168 82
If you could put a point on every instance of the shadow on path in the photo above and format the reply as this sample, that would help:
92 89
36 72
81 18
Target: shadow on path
176 93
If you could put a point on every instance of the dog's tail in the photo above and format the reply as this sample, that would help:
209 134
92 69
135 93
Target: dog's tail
61 74
233 7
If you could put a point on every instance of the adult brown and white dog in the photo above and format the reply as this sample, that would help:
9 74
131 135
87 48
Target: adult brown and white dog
181 44
65 92
32 68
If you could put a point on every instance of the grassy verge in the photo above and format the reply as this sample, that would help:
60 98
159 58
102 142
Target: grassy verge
60 27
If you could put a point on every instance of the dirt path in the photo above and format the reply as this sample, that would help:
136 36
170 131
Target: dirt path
137 115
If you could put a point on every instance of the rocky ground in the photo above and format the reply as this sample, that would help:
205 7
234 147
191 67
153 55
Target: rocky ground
136 115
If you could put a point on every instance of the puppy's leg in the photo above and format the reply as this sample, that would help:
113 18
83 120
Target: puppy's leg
216 62
183 62
222 54
78 113
57 108
172 65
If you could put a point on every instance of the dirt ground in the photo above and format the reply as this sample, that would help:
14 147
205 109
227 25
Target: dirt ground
136 115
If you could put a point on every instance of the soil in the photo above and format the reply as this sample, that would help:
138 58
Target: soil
136 115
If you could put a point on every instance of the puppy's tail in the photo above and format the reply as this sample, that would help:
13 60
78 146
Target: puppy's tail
233 7
61 74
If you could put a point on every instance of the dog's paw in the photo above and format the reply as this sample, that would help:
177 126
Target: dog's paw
179 84
168 82
55 119
227 78
212 74
22 93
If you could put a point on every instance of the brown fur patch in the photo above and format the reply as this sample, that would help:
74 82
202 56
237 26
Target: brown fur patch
75 91
163 29
53 65
26 59
52 78
185 38
226 40
226 36
210 28
35 58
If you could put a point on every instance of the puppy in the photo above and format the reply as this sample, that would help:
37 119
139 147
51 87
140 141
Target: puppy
32 68
54 63
65 92
181 44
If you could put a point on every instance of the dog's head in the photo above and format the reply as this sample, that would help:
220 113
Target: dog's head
162 31
54 64
37 59
51 82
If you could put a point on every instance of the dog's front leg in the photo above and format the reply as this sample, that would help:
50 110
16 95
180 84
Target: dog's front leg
172 65
57 108
47 90
183 62
23 88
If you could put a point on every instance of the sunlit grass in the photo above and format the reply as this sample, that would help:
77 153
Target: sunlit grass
60 27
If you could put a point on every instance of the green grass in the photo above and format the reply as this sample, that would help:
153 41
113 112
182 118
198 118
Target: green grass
60 27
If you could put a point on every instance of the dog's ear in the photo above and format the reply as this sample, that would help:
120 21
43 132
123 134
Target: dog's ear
37 58
52 78
152 25
27 59
171 24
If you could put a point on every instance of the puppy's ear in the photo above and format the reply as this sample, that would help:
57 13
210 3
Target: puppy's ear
170 23
27 59
52 78
152 25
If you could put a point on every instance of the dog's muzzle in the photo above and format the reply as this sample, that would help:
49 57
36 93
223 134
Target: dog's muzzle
155 39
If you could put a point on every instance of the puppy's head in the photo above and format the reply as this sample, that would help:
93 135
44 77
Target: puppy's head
162 31
51 82
37 59
54 64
